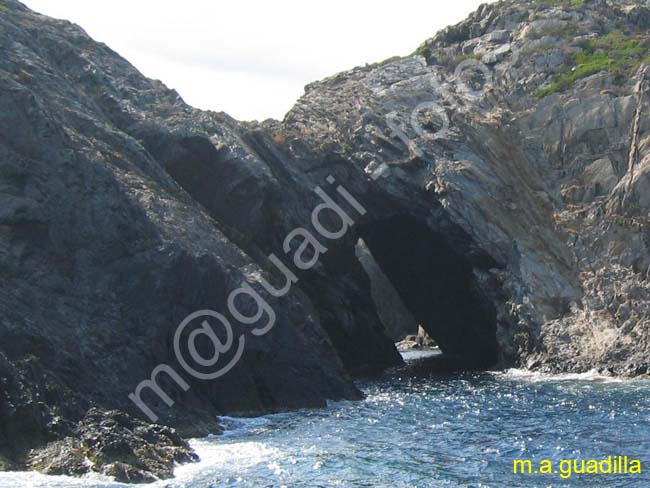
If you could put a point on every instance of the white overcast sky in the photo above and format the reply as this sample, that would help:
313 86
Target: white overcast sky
252 58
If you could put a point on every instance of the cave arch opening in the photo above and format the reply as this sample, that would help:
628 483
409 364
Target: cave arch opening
437 283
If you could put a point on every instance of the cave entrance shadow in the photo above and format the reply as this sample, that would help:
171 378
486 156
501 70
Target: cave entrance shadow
437 284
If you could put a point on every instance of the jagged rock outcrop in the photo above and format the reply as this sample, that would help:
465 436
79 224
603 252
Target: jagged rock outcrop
503 170
114 444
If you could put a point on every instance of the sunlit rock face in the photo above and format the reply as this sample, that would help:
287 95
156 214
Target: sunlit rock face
519 138
500 180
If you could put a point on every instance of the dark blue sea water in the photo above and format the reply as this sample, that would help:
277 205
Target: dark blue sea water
458 430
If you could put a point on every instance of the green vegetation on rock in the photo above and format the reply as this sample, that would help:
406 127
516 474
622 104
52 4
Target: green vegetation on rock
465 57
561 3
616 53
538 49
566 31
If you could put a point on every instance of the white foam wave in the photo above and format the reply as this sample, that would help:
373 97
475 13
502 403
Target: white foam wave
227 457
236 426
31 479
536 377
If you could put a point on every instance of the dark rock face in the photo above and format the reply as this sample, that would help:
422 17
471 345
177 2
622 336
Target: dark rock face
507 204
103 254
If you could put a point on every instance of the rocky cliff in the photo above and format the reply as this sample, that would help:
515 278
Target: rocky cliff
504 174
